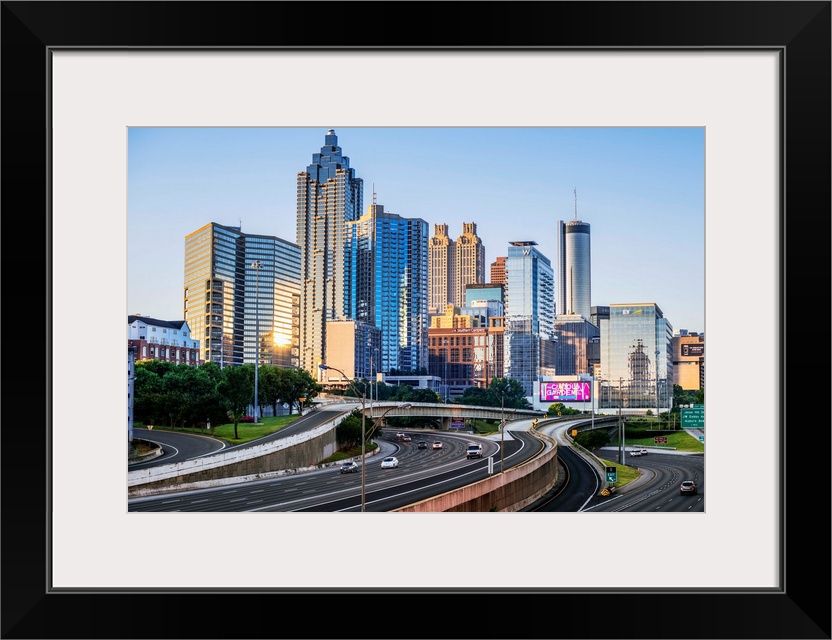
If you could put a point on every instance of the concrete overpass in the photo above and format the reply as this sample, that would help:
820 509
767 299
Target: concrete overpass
445 412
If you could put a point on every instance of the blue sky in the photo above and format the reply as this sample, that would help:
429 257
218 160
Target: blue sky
642 190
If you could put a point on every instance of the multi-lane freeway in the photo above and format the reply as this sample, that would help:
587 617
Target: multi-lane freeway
424 473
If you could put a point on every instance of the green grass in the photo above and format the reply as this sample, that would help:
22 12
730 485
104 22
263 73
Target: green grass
676 440
483 427
245 430
624 474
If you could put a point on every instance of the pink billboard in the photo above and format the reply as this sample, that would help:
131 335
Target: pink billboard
565 391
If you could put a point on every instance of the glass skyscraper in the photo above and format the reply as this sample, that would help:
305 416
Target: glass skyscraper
226 300
636 356
388 265
328 196
529 314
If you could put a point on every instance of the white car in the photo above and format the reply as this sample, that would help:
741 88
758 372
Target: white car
389 463
635 453
436 445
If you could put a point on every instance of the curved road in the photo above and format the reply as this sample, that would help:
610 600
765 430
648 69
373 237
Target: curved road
422 473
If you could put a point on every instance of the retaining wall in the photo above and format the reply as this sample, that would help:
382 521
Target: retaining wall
513 490
237 465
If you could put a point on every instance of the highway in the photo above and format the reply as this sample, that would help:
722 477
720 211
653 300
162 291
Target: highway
422 473
179 446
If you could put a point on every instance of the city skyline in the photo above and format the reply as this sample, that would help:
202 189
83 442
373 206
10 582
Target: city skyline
641 190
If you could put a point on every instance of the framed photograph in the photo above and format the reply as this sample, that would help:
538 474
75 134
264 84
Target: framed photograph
76 76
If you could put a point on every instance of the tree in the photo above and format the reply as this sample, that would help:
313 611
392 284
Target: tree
348 431
422 395
560 409
299 384
237 388
593 439
478 397
268 387
148 393
207 405
507 393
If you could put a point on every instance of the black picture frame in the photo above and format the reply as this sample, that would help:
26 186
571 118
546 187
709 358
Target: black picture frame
799 30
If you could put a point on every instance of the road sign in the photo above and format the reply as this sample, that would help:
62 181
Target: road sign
612 474
660 439
701 438
694 418
457 423
574 432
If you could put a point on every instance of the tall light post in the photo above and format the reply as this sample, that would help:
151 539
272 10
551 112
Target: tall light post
503 441
256 266
445 380
620 425
502 395
592 399
377 422
658 410
363 398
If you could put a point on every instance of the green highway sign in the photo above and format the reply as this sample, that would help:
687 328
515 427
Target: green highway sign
694 418
701 438
612 474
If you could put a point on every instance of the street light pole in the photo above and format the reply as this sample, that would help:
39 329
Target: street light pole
592 399
363 437
256 266
620 431
503 439
447 357
502 431
363 396
658 410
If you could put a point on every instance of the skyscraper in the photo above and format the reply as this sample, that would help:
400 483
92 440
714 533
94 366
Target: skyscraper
238 313
389 285
470 262
573 269
328 196
498 270
452 265
441 269
636 355
529 315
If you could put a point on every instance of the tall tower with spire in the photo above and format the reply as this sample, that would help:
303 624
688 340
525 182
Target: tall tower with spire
573 267
328 196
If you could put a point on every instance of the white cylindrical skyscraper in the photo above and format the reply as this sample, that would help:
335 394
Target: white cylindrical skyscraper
574 277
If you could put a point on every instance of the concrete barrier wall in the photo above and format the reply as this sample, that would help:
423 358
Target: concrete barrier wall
510 491
294 452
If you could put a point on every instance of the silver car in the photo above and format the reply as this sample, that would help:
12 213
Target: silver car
389 463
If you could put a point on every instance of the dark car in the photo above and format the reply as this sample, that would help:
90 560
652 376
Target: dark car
350 467
688 488
421 444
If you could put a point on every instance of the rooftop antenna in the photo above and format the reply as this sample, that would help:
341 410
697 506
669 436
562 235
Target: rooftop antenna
374 194
576 202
